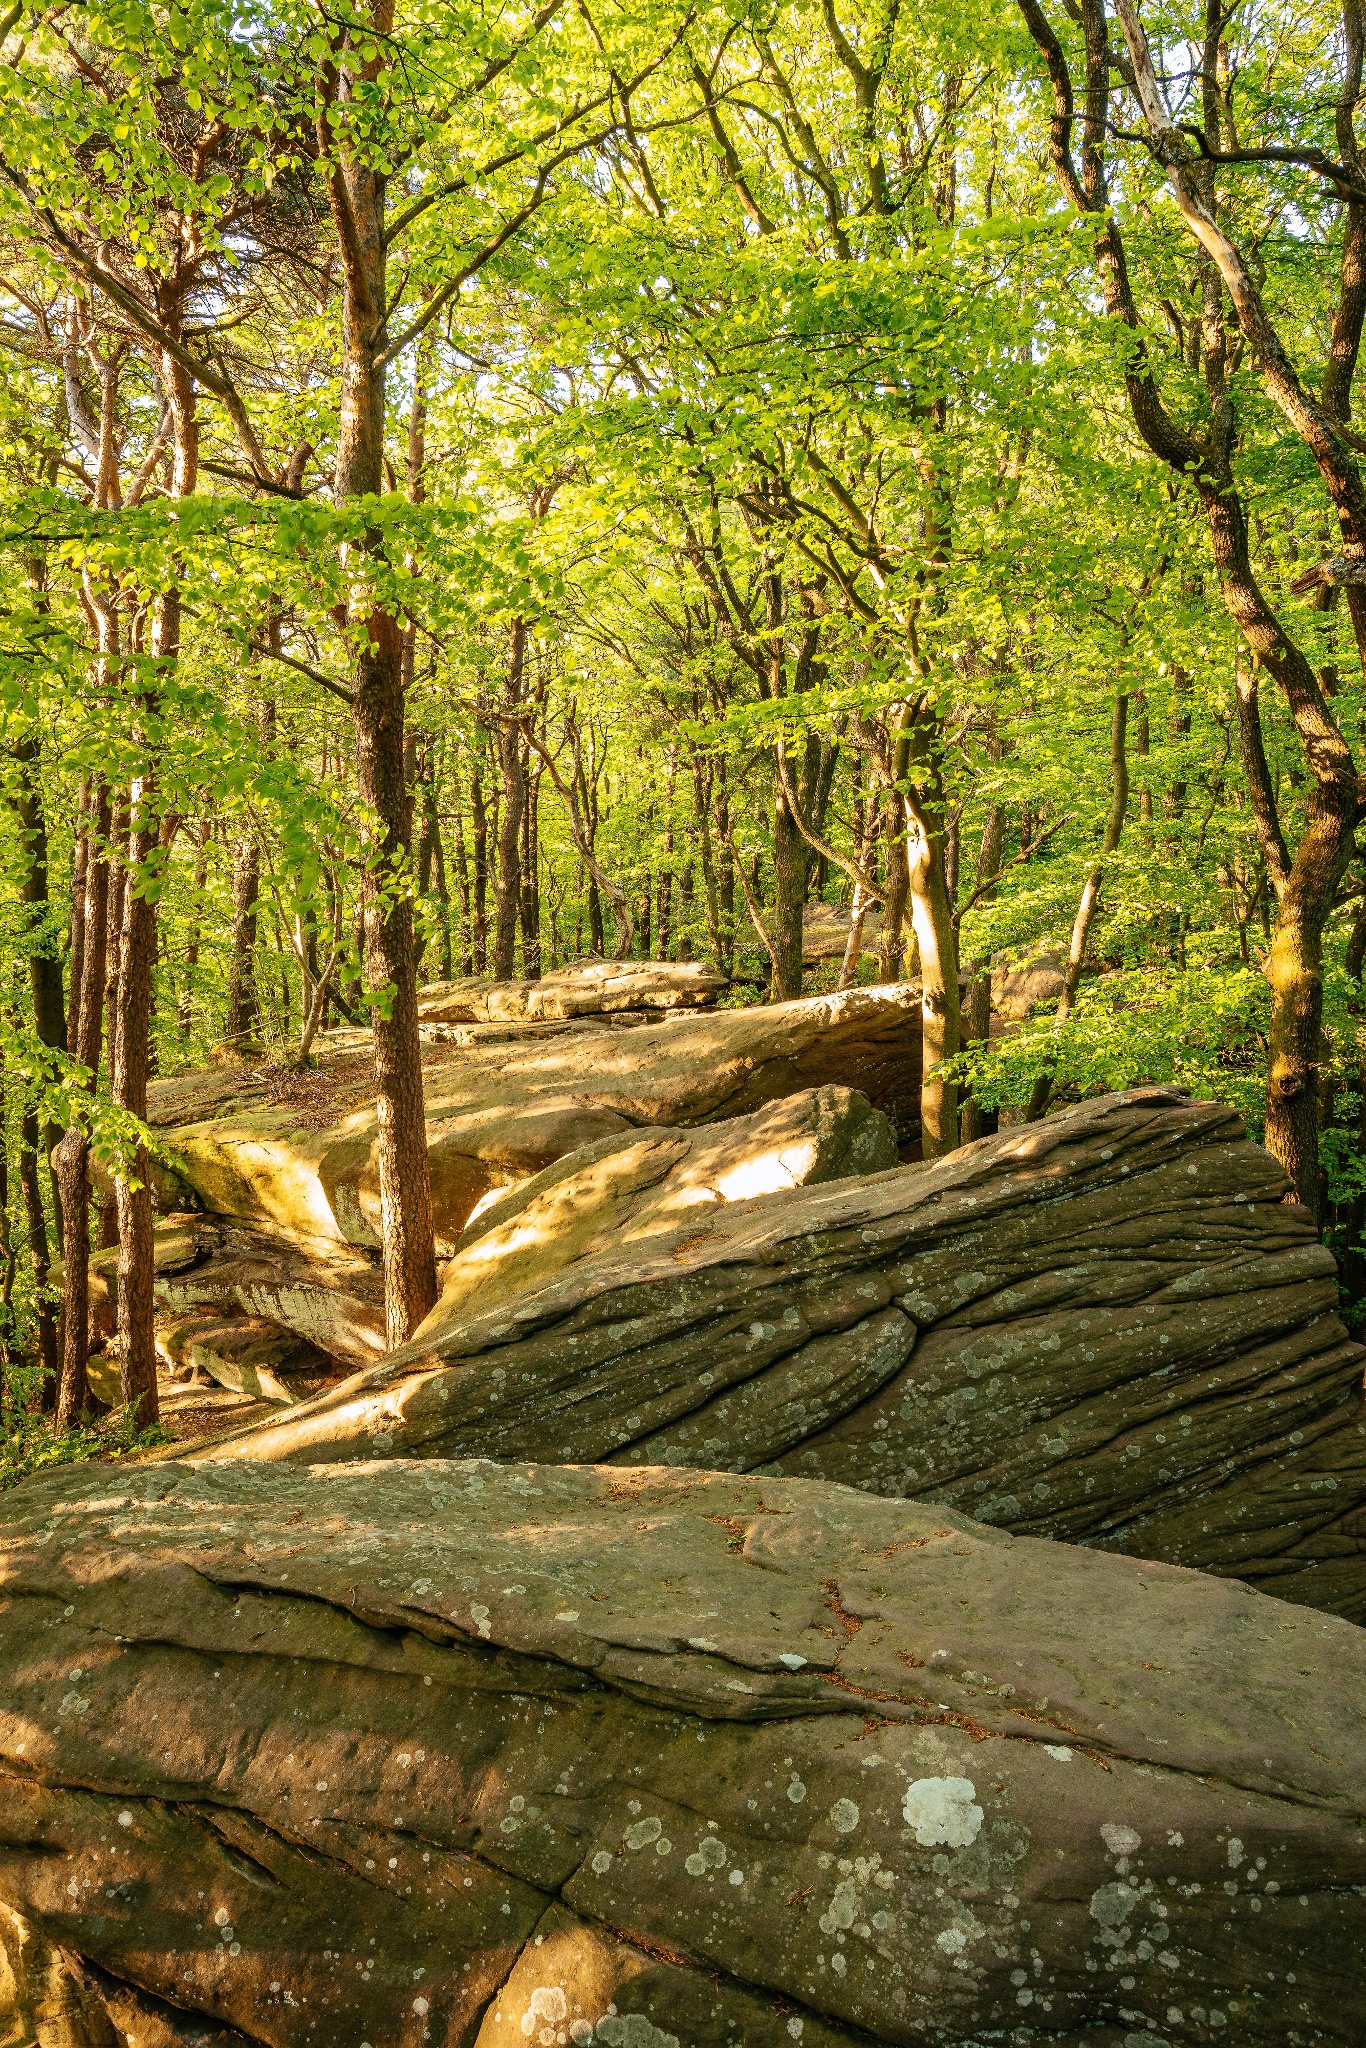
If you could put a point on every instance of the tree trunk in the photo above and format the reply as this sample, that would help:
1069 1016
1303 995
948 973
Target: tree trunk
40 1258
44 964
244 1008
531 880
357 191
916 764
137 1361
507 886
897 884
479 816
462 883
72 1154
789 896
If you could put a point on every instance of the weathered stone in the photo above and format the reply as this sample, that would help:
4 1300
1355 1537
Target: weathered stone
299 1154
247 1354
1017 988
42 2003
323 1295
416 1752
587 988
631 1187
1108 1327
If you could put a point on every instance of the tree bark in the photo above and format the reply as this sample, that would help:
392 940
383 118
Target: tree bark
916 769
72 1154
479 930
242 1028
357 191
789 898
507 885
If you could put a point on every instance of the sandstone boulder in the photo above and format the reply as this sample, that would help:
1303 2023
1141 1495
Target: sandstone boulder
586 988
297 1154
454 1753
1108 1327
319 1295
1017 987
627 1188
247 1354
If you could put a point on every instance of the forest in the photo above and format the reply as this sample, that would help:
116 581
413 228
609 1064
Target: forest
713 584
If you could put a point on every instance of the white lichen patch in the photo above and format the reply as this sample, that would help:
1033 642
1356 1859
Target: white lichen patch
942 1810
1120 1840
844 1816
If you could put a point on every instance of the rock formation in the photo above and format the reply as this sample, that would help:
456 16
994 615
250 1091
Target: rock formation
624 1189
298 1154
1108 1327
587 988
456 1753
278 1317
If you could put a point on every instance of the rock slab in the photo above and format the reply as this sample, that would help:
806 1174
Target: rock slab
1108 1328
304 1159
624 1189
586 988
421 1752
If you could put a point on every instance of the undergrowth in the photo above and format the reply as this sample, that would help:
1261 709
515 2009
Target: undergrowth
30 1443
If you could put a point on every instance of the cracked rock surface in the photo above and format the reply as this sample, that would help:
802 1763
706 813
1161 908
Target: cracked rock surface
420 1751
1108 1328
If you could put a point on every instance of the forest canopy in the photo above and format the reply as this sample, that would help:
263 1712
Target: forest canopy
483 487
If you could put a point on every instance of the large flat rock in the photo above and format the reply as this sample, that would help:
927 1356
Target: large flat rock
586 988
1108 1327
300 1155
424 1752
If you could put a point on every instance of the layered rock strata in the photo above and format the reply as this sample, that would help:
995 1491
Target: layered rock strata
1109 1327
453 1753
301 1156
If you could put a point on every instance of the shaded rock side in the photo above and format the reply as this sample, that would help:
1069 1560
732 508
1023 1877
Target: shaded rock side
587 988
624 1189
1108 1328
326 1296
498 1114
320 1754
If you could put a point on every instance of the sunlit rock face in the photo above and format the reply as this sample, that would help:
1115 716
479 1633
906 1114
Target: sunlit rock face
453 1753
627 1188
1108 1327
299 1154
585 988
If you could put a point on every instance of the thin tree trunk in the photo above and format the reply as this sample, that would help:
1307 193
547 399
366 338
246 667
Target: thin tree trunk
507 885
479 816
789 897
891 966
40 1257
244 1009
530 887
357 187
71 1157
462 883
1090 893
916 764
